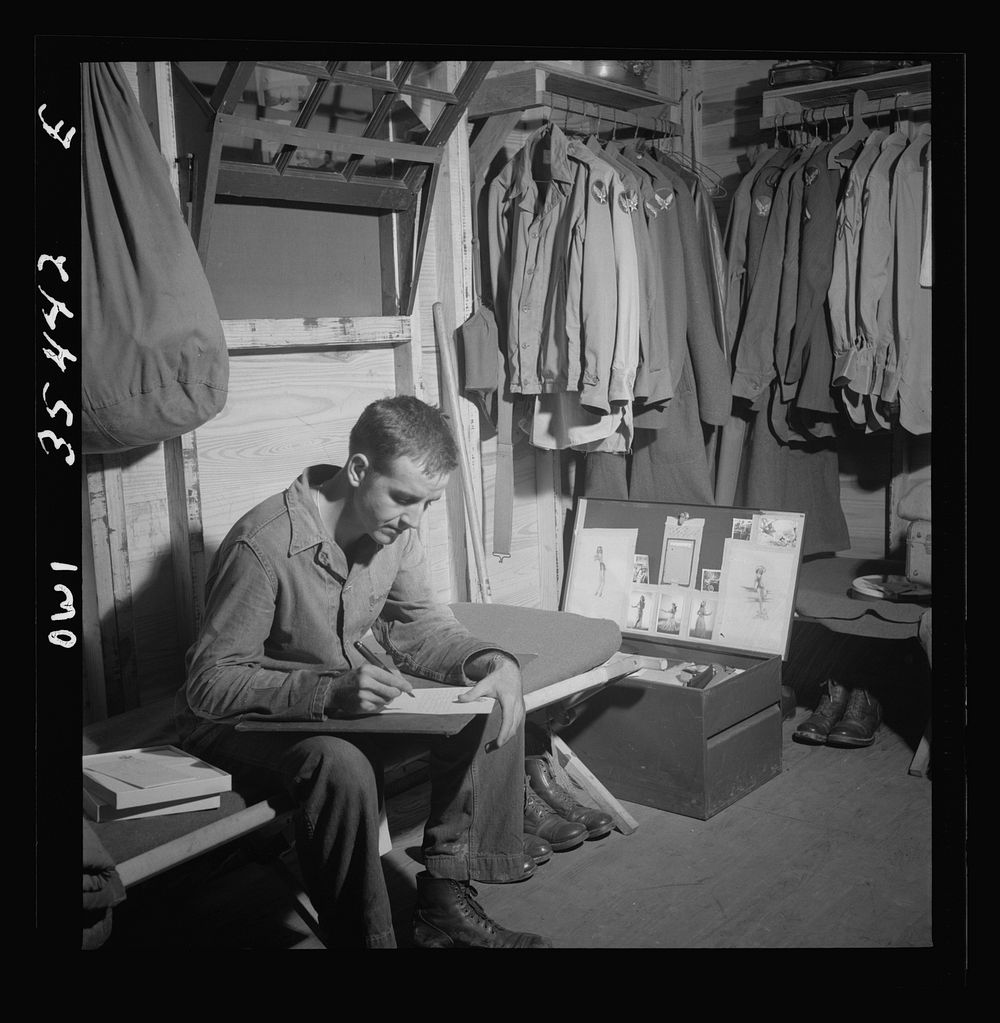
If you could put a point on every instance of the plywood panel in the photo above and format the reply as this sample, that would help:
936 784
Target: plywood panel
865 472
284 412
730 118
516 580
272 263
159 656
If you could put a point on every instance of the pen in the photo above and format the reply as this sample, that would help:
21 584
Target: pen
372 658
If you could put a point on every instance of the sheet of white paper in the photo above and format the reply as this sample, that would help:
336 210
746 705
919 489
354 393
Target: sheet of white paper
438 701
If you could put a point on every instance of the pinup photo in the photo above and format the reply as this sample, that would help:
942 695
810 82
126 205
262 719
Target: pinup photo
640 571
600 573
701 624
783 530
758 591
710 579
670 616
641 609
742 529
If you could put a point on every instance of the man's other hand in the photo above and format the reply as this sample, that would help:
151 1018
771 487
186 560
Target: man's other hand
504 685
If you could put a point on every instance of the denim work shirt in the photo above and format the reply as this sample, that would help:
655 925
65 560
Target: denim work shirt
283 612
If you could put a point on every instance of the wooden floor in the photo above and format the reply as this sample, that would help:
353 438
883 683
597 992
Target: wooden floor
833 853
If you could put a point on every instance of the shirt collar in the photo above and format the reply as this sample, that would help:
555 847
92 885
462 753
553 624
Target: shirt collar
523 185
307 528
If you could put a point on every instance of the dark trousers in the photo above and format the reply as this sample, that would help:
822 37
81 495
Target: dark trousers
474 829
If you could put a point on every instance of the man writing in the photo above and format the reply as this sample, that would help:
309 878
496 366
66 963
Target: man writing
296 582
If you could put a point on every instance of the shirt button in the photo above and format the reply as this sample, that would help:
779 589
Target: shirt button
526 309
525 345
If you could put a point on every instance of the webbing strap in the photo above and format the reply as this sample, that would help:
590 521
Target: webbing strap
503 495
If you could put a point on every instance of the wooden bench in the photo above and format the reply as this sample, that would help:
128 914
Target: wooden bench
146 847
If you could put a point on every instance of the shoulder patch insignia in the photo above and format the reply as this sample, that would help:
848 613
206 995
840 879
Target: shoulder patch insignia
628 201
653 211
812 173
600 191
664 201
763 205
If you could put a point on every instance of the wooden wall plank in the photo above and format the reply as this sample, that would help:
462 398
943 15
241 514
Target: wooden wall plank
95 701
285 411
321 332
108 523
730 111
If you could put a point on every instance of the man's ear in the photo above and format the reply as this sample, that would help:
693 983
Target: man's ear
358 467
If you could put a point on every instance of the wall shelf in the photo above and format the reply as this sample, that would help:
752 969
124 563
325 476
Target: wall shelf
532 84
904 89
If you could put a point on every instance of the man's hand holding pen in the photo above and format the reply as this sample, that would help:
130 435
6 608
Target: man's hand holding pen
367 690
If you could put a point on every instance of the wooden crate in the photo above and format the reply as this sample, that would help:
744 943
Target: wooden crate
688 751
648 738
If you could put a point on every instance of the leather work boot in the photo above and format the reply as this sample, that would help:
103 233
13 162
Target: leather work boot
815 729
538 851
860 722
597 822
448 916
543 822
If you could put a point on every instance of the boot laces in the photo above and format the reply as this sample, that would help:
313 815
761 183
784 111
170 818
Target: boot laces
472 908
556 798
534 804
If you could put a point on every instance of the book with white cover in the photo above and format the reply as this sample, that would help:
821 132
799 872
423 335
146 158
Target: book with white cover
136 778
101 812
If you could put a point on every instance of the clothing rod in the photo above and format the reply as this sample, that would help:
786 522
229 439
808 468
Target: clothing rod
607 115
843 111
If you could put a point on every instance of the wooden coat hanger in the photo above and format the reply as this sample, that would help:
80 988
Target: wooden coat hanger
857 131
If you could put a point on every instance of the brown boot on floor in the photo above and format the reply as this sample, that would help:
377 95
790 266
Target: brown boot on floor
815 729
544 784
448 916
539 851
859 725
543 822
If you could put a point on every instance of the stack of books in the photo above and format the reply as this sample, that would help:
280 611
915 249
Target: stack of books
149 782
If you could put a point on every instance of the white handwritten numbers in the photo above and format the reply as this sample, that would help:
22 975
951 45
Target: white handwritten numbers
67 609
65 140
54 275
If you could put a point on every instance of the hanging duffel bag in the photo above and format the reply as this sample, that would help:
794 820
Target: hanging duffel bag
154 361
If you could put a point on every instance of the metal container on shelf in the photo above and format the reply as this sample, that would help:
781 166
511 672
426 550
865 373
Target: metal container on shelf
798 72
858 68
625 72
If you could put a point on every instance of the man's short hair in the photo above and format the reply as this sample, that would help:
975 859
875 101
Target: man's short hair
404 426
